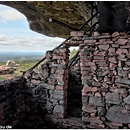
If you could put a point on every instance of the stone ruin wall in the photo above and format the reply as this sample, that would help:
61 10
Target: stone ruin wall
105 69
105 75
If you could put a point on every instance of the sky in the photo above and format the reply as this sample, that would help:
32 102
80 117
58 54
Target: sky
15 34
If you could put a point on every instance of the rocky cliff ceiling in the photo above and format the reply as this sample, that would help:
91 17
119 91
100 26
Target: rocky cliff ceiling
58 18
53 18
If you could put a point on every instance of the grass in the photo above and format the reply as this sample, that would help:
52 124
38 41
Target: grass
25 65
2 78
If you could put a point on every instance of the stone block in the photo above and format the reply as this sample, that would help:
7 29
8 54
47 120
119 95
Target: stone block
60 66
118 114
97 126
96 84
45 85
115 34
118 90
115 45
92 119
111 51
127 63
88 42
127 100
122 81
125 47
101 63
58 109
85 99
89 64
122 41
103 73
57 92
103 47
112 98
100 53
76 33
98 57
114 125
113 59
89 89
96 101
107 79
97 94
121 51
59 97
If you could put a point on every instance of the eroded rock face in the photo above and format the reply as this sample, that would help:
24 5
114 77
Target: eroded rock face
58 18
66 15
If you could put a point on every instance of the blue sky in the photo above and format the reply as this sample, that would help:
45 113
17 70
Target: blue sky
15 34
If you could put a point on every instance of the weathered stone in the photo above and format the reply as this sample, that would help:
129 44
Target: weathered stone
127 100
94 120
115 34
58 109
97 94
122 41
96 101
85 99
112 98
122 81
52 100
60 66
89 108
58 96
77 33
89 89
113 59
101 111
119 90
99 57
118 114
103 47
127 107
96 84
45 85
127 63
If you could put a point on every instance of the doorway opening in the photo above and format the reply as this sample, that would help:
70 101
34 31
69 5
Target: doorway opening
74 95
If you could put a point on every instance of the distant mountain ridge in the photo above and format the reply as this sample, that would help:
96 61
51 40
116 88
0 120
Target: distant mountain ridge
19 56
16 53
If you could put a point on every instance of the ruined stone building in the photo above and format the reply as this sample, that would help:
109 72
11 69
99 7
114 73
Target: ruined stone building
91 90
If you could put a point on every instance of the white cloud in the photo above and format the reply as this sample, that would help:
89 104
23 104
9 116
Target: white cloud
28 43
9 14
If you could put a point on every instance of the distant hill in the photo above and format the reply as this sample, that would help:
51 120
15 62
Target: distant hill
19 56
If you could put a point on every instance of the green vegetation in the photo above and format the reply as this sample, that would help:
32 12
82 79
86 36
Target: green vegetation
2 63
2 78
27 64
72 53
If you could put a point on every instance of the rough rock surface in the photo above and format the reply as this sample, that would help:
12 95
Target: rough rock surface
58 18
67 15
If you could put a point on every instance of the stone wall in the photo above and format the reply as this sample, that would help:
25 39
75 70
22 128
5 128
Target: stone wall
105 69
12 103
49 82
